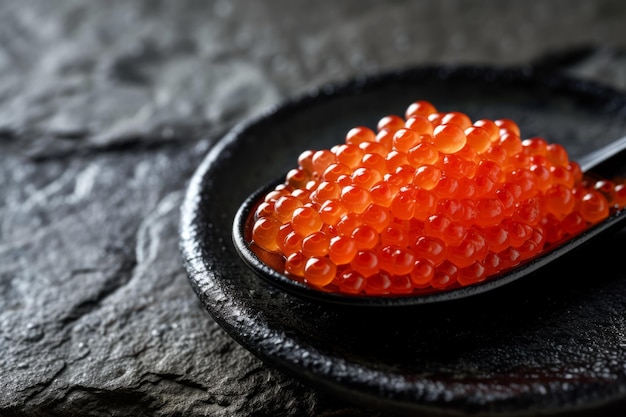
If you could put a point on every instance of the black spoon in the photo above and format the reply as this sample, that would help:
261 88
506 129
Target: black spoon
607 162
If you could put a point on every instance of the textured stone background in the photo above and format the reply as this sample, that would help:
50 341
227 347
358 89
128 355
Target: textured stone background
107 107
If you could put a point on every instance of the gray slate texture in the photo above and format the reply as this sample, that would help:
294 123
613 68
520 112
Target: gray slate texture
107 108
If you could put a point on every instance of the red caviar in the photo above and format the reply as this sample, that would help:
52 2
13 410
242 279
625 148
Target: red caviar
425 203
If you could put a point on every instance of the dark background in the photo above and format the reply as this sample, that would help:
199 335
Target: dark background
107 108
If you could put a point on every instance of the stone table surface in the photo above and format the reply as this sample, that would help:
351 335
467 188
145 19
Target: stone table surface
107 108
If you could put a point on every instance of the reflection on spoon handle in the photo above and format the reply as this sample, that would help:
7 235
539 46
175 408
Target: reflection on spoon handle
607 160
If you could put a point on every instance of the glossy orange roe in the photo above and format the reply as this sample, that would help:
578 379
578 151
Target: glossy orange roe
425 203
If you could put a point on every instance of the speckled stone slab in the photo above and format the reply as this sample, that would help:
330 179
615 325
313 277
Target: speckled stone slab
106 110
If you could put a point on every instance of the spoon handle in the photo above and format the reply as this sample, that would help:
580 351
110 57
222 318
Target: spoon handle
606 161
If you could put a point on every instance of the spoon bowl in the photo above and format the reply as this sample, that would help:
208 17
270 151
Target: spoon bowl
607 162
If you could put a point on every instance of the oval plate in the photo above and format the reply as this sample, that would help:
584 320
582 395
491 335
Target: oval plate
553 343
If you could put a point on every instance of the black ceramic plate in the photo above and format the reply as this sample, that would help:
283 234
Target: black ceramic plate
554 343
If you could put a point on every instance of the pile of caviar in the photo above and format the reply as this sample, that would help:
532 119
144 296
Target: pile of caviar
425 203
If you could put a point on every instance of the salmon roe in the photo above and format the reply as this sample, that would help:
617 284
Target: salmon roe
426 202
